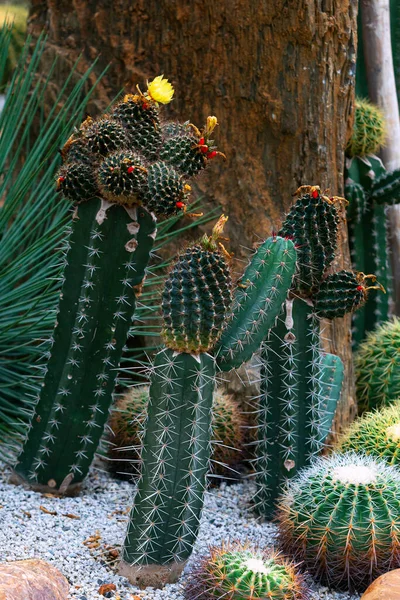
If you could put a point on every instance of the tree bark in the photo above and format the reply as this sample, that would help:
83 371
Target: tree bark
382 91
278 75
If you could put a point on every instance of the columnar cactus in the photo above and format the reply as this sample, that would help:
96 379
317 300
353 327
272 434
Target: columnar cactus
376 433
127 426
237 571
340 518
299 385
377 366
113 173
176 449
369 189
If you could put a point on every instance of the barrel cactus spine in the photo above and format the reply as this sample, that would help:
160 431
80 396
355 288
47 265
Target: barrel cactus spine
376 433
236 571
112 235
339 517
299 384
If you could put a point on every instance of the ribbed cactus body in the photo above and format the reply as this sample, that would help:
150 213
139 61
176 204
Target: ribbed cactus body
176 451
339 293
122 178
167 192
368 130
244 572
258 301
140 117
103 136
377 366
299 392
376 433
181 148
195 301
77 181
312 223
385 189
104 266
340 518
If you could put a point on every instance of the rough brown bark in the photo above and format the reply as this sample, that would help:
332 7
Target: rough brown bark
279 76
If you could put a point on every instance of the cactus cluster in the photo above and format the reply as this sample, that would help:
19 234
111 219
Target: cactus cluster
376 433
339 517
237 571
300 385
127 425
369 189
112 172
377 365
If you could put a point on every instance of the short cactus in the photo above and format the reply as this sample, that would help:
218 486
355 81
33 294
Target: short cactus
376 433
106 173
167 191
368 131
341 293
244 572
340 518
127 426
377 366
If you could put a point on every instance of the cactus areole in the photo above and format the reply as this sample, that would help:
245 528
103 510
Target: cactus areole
113 172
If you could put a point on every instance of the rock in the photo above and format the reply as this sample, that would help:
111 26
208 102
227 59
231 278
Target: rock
386 587
106 588
32 579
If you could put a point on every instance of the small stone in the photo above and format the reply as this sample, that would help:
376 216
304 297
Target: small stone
106 589
386 587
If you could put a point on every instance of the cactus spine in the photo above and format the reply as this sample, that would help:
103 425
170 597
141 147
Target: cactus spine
165 516
299 385
112 235
339 518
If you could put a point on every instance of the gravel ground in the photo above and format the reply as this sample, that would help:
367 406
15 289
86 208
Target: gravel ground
80 535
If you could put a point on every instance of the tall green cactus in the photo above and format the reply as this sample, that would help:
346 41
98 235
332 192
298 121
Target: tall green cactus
176 450
111 238
299 385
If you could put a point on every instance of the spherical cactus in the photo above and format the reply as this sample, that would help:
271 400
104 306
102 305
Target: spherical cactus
312 223
76 150
376 433
340 517
140 117
187 148
340 293
127 425
197 296
368 130
377 366
167 192
244 572
103 136
122 178
76 181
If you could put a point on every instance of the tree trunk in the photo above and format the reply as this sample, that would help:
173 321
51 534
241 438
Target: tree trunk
278 75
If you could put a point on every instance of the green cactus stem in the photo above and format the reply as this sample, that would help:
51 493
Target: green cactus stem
331 382
108 250
258 301
176 450
339 518
385 189
237 571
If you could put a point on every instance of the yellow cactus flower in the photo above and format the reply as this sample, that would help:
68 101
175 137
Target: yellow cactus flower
160 90
211 125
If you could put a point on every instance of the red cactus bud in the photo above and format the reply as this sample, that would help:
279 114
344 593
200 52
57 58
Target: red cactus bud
360 288
201 141
315 194
130 169
179 205
61 179
212 154
204 149
145 105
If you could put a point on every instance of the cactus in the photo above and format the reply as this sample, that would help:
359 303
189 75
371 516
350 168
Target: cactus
237 571
368 133
299 385
339 517
176 449
110 242
369 189
127 426
257 302
377 366
376 433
